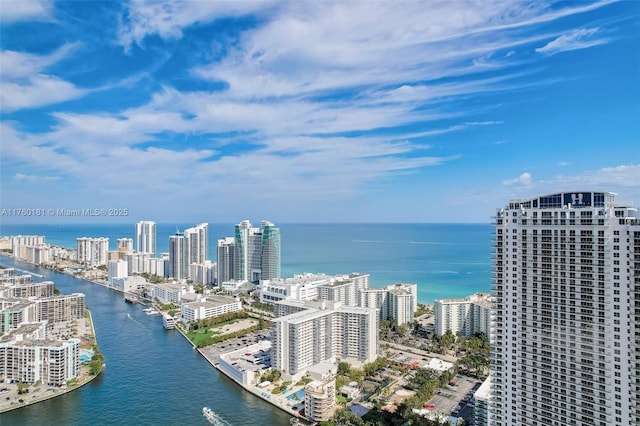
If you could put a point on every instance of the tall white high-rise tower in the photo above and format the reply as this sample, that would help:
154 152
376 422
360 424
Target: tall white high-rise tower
564 334
146 237
178 266
197 243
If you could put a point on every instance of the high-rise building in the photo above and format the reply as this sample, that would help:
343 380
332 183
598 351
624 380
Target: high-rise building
178 266
468 315
396 302
270 252
93 251
564 330
256 253
146 237
197 243
117 269
226 259
317 332
125 244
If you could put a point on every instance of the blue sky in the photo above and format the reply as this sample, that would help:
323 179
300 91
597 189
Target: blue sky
315 111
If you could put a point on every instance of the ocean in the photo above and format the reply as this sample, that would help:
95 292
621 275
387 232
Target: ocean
154 377
445 260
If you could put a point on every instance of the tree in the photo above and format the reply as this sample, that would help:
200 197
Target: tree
344 368
22 388
356 375
345 417
402 329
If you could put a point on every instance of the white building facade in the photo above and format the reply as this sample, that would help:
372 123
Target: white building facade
323 332
146 237
564 330
469 315
211 307
93 251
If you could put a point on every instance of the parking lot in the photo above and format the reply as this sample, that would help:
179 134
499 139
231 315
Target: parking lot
214 351
452 399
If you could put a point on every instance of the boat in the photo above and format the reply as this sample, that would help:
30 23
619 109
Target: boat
130 298
168 322
151 311
209 415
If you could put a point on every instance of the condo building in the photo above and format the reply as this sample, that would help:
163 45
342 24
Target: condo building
469 315
177 256
322 332
61 307
566 312
212 306
197 243
396 302
117 269
124 245
270 252
93 251
299 287
226 256
18 241
52 363
320 399
203 273
481 399
137 263
255 253
146 237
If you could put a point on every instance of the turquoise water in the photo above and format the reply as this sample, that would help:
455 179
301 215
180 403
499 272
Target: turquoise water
445 260
154 377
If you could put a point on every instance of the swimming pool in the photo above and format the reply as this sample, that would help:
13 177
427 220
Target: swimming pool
298 396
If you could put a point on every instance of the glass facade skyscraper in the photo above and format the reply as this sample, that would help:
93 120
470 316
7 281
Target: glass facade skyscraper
256 253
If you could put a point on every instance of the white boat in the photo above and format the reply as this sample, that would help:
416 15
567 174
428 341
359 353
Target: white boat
210 415
168 322
151 311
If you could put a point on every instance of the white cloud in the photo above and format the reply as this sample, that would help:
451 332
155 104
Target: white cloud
31 10
35 178
17 65
623 179
297 81
523 179
573 40
168 18
36 91
25 85
626 175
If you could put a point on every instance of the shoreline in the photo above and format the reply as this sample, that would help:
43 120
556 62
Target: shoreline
249 390
81 381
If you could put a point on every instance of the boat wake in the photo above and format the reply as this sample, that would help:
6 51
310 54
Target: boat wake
136 321
213 417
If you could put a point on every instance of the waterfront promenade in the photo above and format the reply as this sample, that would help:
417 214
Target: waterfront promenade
213 352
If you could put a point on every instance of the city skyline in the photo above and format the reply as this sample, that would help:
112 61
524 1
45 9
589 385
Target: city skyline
192 111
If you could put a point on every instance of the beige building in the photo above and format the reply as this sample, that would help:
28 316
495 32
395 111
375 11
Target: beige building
320 399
